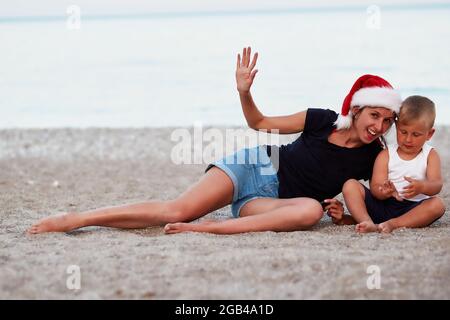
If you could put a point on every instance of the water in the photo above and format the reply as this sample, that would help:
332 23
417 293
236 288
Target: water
178 69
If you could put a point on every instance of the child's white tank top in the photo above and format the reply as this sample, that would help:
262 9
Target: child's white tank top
415 168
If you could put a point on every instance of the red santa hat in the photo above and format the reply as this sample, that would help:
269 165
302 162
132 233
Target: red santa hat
368 91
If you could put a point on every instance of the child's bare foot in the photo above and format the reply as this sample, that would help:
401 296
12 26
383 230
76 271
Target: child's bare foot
386 227
366 226
59 223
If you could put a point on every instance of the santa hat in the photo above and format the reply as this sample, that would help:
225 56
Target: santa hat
368 91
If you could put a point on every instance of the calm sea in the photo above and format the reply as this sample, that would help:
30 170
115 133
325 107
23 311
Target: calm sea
175 69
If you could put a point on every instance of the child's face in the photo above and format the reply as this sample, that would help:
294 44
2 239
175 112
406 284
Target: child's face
412 136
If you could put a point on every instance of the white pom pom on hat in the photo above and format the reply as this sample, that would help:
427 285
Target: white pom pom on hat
368 91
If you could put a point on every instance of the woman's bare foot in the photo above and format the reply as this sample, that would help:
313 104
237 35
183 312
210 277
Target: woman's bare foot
178 227
59 223
366 226
386 227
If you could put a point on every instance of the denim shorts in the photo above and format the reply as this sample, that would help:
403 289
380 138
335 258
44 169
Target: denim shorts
252 173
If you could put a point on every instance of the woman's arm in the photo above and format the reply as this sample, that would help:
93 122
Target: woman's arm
289 124
256 120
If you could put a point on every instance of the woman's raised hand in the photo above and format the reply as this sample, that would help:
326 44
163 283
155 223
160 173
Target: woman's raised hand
244 70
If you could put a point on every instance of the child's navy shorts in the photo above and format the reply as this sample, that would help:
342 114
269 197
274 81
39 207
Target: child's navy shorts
253 176
383 210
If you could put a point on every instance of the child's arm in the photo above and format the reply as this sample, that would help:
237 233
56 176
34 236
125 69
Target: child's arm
256 120
432 185
380 187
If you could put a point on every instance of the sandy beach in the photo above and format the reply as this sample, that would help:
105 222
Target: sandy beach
43 172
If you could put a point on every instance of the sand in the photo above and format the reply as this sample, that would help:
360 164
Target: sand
43 172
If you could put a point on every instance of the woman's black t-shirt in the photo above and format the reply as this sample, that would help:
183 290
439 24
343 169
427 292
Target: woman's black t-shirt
315 168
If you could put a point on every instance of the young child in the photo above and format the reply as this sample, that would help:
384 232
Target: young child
405 179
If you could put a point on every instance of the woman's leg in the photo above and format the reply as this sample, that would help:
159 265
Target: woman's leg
421 216
264 214
213 191
354 195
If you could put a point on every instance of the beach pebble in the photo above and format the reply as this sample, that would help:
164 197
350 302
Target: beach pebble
55 184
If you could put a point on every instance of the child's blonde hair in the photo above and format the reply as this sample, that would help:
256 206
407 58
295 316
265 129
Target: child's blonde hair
417 108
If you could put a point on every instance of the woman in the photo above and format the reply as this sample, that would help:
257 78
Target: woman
331 150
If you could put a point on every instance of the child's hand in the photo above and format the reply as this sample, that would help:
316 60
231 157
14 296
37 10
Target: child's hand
244 70
414 188
388 190
335 210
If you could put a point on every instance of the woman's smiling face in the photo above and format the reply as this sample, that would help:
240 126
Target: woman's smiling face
372 122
